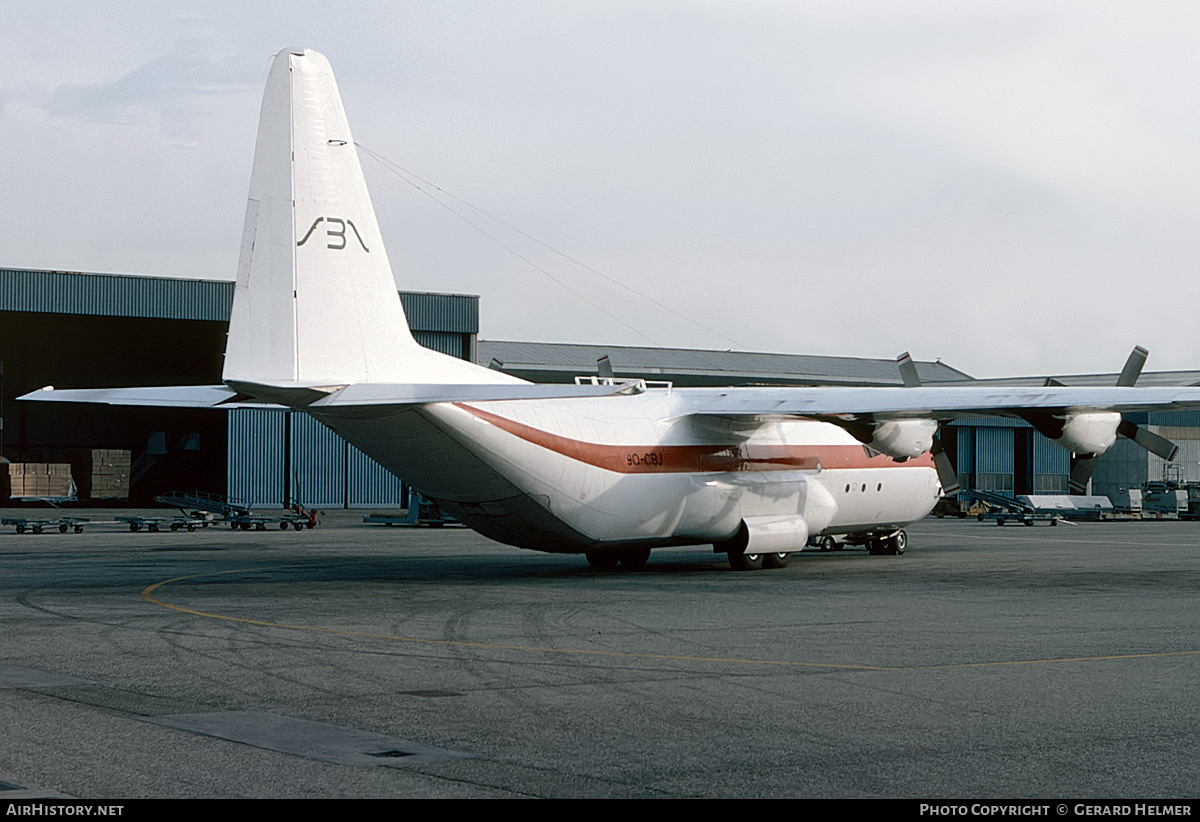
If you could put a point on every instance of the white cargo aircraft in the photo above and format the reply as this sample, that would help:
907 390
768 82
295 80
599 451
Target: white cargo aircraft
607 468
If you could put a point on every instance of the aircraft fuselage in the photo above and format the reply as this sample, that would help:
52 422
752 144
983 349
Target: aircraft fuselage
576 475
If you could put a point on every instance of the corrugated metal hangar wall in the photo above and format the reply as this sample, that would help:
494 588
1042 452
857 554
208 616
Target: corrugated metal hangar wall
99 330
277 458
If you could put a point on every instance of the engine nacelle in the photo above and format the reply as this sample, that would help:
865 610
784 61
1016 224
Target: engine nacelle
777 534
902 439
1089 433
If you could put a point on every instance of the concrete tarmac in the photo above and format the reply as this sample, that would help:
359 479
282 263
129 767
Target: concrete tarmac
364 661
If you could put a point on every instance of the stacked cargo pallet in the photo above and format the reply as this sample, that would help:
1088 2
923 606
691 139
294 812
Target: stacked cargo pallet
95 473
43 480
102 473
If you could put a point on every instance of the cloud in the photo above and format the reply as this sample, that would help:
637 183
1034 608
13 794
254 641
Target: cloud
175 91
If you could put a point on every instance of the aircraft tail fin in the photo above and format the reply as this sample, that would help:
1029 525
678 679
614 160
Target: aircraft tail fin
315 301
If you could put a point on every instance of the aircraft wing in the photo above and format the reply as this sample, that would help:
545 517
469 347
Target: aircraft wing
903 422
941 403
415 394
929 402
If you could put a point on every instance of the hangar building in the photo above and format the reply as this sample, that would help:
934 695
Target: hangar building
70 329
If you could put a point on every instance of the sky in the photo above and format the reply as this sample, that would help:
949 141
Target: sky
1012 187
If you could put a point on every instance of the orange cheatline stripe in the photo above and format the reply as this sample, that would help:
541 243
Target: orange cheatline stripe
698 459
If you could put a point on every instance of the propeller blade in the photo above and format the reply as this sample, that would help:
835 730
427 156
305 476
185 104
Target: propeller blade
1133 367
947 475
1155 444
1081 474
604 367
908 371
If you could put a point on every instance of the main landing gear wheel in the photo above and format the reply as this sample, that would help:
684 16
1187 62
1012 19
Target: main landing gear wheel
776 560
827 544
893 546
745 562
888 546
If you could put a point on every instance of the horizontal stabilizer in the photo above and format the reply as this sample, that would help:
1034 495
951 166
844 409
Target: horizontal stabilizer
171 396
253 395
182 396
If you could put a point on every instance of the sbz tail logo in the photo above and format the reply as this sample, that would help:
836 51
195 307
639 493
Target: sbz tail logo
335 230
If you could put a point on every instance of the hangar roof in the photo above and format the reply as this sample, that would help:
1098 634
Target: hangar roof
1147 378
114 295
173 298
556 362
123 295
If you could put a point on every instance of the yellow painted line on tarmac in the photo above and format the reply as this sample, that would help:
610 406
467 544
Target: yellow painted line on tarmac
148 595
1149 655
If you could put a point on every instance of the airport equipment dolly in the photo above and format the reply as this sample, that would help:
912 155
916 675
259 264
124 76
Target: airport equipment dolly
39 524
